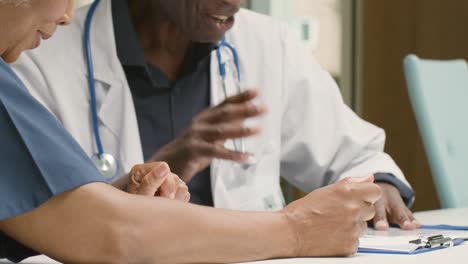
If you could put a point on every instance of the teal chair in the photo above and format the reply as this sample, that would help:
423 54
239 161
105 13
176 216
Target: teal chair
439 94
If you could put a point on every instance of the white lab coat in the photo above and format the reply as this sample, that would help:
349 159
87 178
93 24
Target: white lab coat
309 136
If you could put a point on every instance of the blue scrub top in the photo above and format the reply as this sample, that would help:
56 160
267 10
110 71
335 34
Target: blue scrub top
38 157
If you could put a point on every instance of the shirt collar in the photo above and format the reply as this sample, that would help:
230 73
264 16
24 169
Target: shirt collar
197 54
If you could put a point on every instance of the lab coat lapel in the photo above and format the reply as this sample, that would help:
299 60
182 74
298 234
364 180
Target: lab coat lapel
219 184
115 105
218 187
105 60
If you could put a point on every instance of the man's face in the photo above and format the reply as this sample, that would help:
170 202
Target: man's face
202 20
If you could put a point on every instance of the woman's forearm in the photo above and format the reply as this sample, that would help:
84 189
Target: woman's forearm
98 223
176 232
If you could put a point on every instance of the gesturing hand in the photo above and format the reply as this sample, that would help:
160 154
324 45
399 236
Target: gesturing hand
195 148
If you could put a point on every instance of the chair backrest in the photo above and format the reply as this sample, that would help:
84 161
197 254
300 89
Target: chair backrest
439 94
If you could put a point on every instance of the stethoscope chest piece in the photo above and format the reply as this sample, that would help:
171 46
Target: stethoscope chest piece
106 164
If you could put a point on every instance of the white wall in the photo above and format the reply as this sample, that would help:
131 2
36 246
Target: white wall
324 18
330 35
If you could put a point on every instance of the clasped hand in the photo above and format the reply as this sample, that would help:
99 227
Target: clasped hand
156 179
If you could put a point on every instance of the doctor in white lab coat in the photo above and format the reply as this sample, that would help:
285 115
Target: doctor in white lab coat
308 135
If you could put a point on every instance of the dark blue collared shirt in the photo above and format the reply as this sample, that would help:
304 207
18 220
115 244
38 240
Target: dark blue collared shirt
164 108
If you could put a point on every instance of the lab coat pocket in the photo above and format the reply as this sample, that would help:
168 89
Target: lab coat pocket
262 162
248 187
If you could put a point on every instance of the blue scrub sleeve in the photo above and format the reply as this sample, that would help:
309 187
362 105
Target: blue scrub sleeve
39 159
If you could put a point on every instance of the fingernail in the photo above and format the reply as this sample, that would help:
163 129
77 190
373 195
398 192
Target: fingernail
407 223
261 108
248 158
161 171
416 222
381 224
244 157
253 90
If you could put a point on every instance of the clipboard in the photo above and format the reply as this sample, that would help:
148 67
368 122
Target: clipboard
454 241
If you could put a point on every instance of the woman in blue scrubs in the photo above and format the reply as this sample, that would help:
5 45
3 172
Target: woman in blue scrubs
38 158
36 151
54 201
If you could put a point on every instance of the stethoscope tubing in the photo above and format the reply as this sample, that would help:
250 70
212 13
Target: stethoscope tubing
91 79
222 65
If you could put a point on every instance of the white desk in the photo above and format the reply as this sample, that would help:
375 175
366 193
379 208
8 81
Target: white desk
452 255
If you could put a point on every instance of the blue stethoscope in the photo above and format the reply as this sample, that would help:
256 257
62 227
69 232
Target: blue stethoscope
105 162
